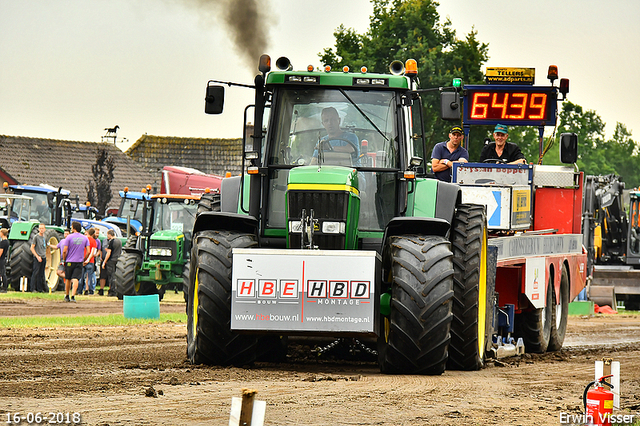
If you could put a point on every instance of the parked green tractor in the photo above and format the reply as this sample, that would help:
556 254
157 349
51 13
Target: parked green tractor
157 258
340 232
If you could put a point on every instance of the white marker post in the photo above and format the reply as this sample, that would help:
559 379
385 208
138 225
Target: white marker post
612 367
247 411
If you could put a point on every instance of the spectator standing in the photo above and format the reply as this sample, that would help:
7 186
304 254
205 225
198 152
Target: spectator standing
74 255
39 251
113 251
4 249
89 272
98 252
444 154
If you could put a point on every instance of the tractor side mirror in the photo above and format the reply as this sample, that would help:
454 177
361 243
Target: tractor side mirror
450 105
214 100
568 148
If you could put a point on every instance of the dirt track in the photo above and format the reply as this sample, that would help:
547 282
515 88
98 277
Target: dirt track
106 373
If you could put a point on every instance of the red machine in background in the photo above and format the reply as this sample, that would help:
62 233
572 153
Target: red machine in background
188 181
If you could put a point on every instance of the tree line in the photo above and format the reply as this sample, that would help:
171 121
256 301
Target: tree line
402 29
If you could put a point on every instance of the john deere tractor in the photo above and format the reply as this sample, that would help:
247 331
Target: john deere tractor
337 230
155 260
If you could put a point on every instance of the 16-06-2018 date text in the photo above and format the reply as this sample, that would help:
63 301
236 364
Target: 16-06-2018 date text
51 418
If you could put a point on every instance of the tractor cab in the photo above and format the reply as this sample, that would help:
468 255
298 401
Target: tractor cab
131 213
46 204
158 258
84 211
16 208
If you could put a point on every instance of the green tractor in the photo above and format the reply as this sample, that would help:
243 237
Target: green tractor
158 258
50 206
338 230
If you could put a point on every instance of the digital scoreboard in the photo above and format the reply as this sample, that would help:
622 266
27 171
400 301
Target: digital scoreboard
510 105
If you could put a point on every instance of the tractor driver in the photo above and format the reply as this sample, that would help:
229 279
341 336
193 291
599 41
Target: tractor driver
336 139
42 211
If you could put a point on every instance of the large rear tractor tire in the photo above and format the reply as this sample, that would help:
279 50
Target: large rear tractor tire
535 326
470 329
414 338
560 313
51 278
209 336
21 263
125 276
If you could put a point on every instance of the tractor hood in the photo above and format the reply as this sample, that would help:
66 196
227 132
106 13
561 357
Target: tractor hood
324 178
323 207
167 234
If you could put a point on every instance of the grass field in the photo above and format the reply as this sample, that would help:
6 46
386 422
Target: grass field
170 298
75 321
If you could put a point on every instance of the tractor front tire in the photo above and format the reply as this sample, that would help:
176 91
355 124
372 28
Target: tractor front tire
148 287
470 328
414 338
125 276
209 336
21 263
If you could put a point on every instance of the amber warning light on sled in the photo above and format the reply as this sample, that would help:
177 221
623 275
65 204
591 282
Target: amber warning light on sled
552 74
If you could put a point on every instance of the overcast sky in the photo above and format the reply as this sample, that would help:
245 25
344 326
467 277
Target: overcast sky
71 68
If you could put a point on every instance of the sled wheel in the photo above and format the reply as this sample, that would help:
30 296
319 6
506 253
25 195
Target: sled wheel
560 313
535 326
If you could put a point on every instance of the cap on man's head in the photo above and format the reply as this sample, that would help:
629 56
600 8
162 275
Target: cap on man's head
501 128
456 129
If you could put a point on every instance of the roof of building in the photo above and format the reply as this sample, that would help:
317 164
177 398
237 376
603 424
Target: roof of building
67 164
212 156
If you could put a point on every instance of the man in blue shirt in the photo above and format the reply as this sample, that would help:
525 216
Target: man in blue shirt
337 140
444 154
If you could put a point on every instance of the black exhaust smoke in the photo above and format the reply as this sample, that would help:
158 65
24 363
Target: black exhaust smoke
247 24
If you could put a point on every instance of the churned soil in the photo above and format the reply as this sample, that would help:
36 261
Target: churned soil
139 375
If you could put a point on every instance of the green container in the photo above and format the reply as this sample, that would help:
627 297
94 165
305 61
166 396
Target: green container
147 307
581 308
